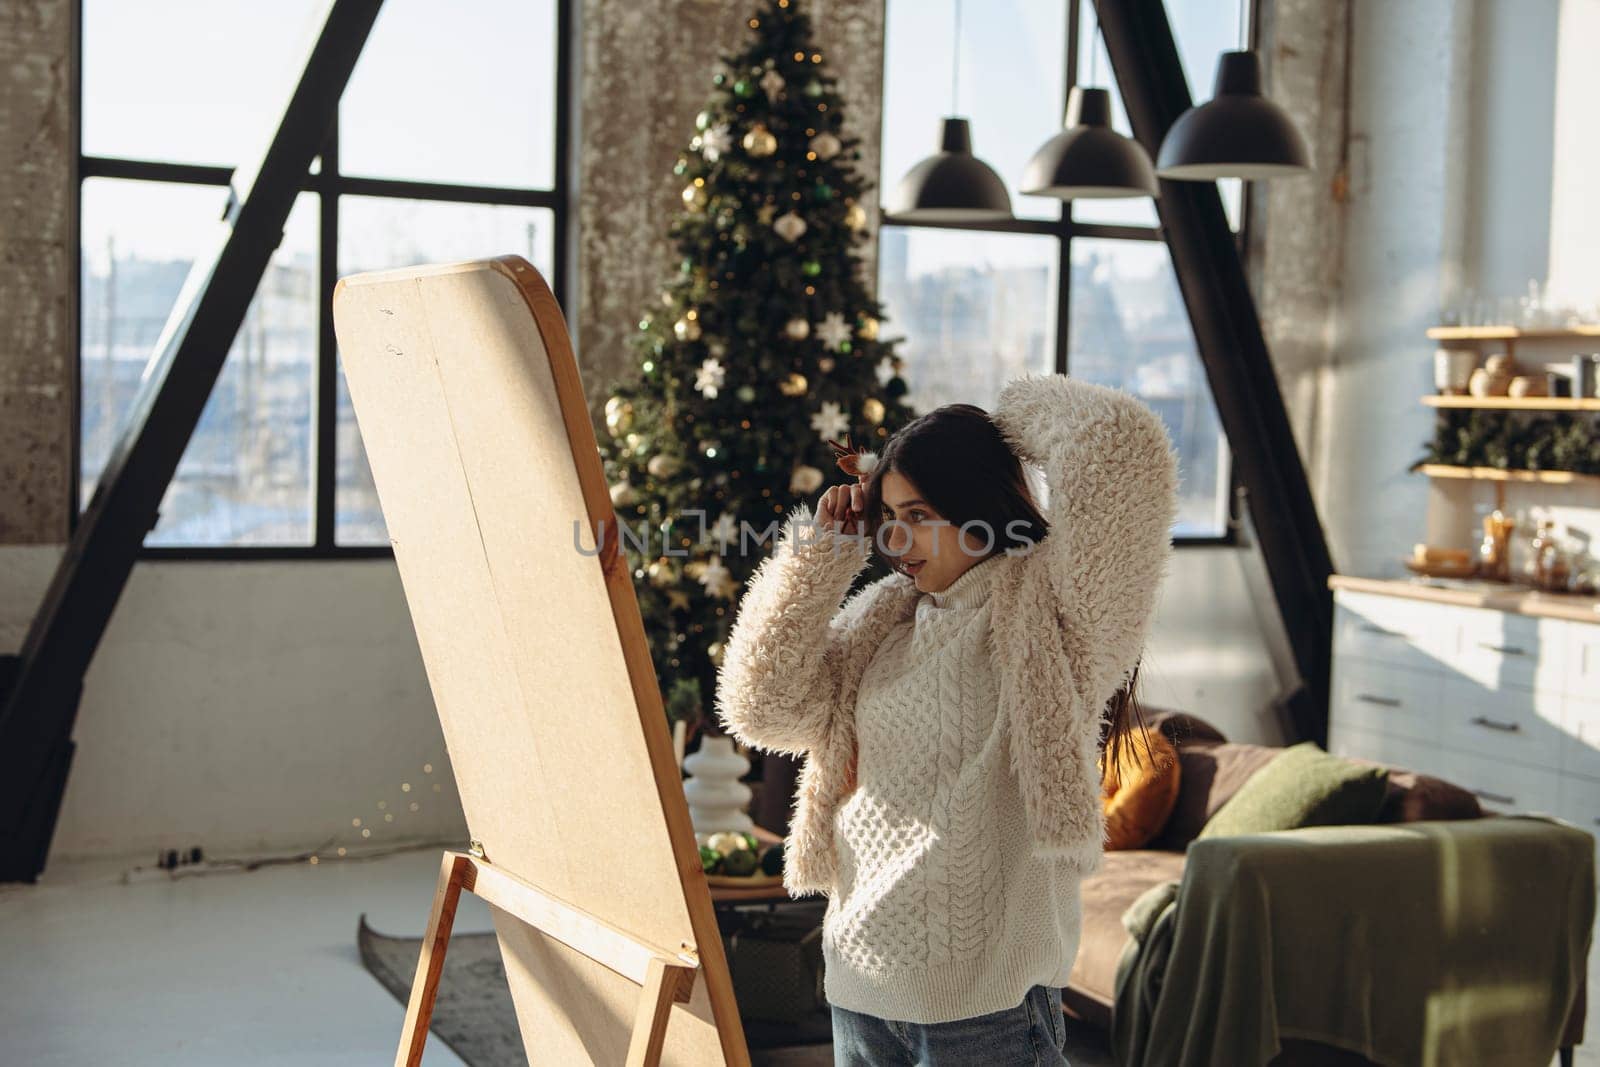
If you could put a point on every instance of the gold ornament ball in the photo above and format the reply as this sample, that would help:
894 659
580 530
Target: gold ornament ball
714 651
619 416
826 364
694 197
825 145
797 329
794 385
872 410
855 217
760 141
662 466
686 329
869 329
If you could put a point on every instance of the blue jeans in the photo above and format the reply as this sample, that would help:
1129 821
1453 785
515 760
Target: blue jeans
1032 1034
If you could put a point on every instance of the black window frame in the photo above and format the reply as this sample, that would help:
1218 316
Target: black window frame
1065 229
329 185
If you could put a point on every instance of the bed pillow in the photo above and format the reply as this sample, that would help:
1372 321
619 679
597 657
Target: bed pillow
1302 786
1138 794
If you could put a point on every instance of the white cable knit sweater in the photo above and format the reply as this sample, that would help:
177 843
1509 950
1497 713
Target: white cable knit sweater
940 911
977 709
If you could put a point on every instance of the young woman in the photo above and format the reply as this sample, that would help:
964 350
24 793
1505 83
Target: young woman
951 714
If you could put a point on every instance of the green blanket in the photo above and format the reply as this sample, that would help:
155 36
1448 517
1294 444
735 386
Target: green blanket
1424 943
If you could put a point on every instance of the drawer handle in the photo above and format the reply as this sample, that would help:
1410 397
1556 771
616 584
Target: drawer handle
1503 727
1388 702
1505 650
1494 798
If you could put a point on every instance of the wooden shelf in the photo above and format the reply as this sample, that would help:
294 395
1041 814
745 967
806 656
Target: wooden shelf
1477 593
1495 474
1516 403
1512 333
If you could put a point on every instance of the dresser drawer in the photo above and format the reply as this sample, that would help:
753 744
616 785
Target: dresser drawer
1500 649
1506 787
1583 658
1383 698
1394 630
1501 786
1581 751
1512 723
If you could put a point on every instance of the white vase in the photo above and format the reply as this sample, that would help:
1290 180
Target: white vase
717 799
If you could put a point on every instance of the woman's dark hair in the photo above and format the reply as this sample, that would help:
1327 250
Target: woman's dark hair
964 468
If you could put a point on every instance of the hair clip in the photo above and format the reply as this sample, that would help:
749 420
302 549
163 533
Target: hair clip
856 462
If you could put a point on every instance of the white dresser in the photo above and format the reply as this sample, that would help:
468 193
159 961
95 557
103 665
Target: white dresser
1503 703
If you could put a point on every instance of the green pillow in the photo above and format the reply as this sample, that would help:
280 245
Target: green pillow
1301 786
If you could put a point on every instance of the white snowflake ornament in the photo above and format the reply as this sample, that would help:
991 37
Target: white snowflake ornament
830 421
716 141
717 579
709 378
772 84
833 331
724 530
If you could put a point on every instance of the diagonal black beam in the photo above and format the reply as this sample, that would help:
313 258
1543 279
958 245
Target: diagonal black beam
1227 330
41 687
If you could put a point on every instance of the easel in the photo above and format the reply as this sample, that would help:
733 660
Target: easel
483 452
665 978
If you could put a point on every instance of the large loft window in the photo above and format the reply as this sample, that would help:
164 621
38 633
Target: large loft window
433 158
1088 291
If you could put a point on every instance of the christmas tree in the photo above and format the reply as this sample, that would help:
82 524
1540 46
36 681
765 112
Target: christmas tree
764 347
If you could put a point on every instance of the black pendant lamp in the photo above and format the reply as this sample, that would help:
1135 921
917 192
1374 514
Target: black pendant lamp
1238 133
952 185
1089 159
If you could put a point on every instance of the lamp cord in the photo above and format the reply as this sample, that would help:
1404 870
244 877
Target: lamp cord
1094 47
955 62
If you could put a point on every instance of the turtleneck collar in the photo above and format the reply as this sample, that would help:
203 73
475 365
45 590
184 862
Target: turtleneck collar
972 588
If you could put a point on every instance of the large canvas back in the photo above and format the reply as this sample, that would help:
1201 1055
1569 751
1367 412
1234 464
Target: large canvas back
484 457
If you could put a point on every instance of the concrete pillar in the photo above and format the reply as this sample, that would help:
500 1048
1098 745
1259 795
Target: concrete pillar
38 145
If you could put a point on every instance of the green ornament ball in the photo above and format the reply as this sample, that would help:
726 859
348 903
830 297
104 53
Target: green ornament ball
680 167
746 393
718 79
742 87
702 120
822 192
811 268
813 89
844 346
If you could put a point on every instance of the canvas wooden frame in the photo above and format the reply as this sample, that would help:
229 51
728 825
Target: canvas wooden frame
483 454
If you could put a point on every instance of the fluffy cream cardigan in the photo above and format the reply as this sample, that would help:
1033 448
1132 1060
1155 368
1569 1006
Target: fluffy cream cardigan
1068 626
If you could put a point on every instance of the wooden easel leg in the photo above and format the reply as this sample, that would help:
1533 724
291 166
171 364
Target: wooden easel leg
660 990
425 986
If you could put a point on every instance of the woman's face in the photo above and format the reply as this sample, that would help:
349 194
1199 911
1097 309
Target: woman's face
922 542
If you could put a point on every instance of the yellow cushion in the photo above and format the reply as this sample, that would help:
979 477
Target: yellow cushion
1140 792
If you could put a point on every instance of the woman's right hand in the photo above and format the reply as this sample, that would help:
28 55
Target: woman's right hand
842 508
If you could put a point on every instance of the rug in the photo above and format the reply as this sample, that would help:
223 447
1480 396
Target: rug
474 1016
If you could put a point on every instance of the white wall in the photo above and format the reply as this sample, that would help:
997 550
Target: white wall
247 707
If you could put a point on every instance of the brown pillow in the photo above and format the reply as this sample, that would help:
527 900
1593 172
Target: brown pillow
1138 794
1212 773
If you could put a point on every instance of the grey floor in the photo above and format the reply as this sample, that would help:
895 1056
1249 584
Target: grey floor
237 968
